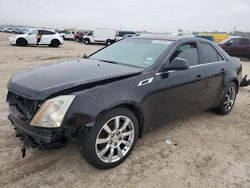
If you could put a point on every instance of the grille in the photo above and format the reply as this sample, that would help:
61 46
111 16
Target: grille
25 106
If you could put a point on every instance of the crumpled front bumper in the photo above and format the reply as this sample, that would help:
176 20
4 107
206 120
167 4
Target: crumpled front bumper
12 41
43 138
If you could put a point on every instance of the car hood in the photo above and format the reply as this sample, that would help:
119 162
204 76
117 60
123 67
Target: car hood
40 83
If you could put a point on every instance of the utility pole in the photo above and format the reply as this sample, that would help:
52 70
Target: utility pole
234 29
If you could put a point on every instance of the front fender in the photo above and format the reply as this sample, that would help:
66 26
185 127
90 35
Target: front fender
89 104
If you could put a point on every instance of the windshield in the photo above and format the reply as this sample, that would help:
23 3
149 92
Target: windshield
133 52
224 41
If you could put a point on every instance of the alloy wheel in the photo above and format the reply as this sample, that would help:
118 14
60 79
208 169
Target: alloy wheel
115 139
230 98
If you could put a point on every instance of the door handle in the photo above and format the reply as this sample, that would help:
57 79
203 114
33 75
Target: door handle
198 78
222 71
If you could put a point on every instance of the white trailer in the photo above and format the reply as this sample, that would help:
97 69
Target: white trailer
101 35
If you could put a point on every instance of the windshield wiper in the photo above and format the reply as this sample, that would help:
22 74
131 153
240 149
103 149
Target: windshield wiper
108 61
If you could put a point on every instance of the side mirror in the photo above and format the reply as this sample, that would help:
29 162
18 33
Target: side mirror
178 64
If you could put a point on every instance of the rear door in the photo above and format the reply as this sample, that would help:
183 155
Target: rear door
47 36
179 92
244 47
214 67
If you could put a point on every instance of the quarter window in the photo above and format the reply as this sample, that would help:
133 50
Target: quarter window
209 54
188 52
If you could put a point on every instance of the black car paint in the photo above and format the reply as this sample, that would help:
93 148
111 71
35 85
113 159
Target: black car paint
170 95
64 75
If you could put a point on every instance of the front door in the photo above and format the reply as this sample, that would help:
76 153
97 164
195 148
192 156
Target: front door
32 37
179 92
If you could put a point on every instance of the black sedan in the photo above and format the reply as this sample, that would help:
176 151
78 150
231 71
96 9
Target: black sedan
110 99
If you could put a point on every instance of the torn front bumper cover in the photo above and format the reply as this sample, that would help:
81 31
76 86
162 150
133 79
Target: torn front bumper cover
42 138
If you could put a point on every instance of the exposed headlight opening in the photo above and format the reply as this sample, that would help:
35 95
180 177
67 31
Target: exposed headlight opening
52 112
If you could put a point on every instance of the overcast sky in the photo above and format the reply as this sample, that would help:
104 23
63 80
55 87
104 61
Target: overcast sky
151 15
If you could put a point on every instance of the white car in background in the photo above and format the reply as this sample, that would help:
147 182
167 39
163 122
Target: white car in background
49 37
101 36
69 35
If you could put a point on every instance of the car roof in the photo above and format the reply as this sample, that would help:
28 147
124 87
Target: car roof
172 38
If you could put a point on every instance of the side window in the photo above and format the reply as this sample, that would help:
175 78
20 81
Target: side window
90 33
188 52
34 32
209 54
235 42
244 42
45 32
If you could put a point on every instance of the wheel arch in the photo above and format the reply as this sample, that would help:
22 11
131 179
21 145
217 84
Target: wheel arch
235 80
22 38
133 108
55 39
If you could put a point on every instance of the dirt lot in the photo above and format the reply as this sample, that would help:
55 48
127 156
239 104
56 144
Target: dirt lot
207 150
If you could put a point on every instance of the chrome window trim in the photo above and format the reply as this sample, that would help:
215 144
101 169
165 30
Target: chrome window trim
159 73
207 63
190 67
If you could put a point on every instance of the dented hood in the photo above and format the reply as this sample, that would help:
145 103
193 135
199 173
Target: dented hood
39 83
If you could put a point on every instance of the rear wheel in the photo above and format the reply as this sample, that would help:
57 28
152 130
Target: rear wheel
111 140
228 99
54 43
21 42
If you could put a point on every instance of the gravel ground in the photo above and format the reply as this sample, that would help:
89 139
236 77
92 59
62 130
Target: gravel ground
206 150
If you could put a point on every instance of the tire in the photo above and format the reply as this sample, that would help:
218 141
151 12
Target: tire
21 42
86 41
108 42
228 99
118 143
54 43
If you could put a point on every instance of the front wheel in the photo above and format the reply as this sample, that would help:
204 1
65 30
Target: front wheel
111 140
21 42
108 42
228 99
86 41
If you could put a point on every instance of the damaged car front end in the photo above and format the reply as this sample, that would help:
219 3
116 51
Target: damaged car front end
40 111
38 125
